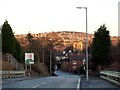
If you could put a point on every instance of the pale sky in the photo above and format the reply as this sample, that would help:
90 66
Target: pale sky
39 16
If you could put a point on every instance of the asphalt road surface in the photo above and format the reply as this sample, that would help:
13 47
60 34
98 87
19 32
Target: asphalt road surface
63 80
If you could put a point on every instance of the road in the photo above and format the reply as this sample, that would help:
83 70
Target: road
63 80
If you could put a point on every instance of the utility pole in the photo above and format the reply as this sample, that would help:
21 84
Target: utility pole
43 52
50 61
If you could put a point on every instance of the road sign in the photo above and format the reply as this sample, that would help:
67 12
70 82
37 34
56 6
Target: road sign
83 62
74 63
29 58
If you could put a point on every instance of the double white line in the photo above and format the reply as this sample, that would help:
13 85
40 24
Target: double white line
35 86
78 85
39 85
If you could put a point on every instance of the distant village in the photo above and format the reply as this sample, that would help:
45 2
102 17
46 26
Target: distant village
76 39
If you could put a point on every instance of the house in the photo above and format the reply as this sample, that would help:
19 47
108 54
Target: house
73 62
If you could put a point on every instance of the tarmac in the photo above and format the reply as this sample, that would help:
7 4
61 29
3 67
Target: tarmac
96 83
11 80
93 83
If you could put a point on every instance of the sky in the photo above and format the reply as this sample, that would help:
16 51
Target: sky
38 16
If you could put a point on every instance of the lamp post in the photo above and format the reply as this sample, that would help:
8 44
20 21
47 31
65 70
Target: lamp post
44 43
43 52
70 61
50 58
86 43
70 53
50 61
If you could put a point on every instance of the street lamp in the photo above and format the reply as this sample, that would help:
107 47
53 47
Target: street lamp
86 43
50 58
50 61
43 52
70 61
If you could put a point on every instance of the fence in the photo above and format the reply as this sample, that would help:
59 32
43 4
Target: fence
13 74
112 76
14 62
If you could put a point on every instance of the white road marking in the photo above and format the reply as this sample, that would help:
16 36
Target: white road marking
78 85
35 86
43 83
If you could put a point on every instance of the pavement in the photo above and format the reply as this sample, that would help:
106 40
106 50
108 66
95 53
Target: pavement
96 83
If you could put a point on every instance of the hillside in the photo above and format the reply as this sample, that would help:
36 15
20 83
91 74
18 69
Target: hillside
40 69
66 36
6 66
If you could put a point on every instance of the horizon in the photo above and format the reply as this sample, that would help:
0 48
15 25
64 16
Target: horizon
61 31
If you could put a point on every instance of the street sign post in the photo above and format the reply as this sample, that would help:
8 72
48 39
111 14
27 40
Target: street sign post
29 59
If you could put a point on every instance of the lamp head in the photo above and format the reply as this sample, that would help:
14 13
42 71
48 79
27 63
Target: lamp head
81 7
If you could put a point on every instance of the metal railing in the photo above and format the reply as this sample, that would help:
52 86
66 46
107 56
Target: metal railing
14 62
112 76
12 74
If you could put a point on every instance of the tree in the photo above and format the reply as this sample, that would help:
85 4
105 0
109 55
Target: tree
18 51
8 39
29 37
33 46
101 46
9 42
